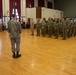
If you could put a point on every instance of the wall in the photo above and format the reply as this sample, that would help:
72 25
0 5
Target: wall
46 13
35 3
23 10
31 13
51 13
23 7
5 4
68 6
45 1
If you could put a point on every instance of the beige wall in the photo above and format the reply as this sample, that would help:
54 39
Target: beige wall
5 4
6 10
46 13
31 12
23 7
51 13
35 3
45 3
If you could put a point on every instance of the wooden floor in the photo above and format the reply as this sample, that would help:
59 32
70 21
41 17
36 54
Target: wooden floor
40 55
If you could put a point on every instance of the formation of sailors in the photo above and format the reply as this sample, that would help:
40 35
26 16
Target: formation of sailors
56 27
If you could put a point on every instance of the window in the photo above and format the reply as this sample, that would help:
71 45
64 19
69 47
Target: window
15 11
50 5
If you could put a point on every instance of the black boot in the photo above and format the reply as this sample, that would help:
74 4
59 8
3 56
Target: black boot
13 54
18 55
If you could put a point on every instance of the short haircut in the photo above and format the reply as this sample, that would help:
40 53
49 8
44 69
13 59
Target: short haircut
13 15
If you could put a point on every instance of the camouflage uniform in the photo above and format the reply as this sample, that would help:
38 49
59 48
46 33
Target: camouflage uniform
74 28
50 24
56 27
14 29
53 29
64 29
68 28
72 23
60 29
38 25
43 28
46 28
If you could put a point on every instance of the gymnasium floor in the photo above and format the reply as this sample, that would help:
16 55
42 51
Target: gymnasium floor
40 55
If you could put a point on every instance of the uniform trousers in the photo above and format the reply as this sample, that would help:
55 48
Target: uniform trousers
15 42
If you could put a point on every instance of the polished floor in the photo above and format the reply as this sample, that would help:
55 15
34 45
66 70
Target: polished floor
40 55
